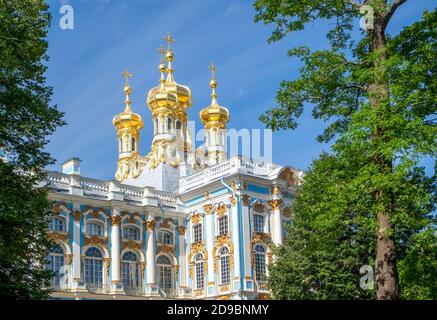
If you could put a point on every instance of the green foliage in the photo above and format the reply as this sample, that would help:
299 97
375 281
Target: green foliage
378 97
26 119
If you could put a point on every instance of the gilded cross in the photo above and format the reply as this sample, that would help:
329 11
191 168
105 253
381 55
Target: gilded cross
161 52
169 40
126 75
213 69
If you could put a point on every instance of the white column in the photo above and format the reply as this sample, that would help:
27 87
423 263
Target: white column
235 237
76 242
246 236
275 204
150 252
183 259
115 246
209 233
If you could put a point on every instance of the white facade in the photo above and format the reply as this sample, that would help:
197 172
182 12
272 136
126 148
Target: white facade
252 203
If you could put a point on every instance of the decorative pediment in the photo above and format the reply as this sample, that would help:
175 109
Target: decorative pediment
258 207
133 245
55 235
165 249
95 240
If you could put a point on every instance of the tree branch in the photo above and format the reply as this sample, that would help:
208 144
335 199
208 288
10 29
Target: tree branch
396 4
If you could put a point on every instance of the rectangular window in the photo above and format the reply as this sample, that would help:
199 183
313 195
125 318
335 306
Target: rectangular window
197 233
222 225
258 223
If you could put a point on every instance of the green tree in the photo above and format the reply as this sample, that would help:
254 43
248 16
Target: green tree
26 119
378 96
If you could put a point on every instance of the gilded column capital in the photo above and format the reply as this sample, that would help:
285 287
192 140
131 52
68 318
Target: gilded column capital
115 220
207 207
150 225
181 230
76 215
233 201
275 204
245 199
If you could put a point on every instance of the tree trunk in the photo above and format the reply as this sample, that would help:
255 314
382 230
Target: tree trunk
386 277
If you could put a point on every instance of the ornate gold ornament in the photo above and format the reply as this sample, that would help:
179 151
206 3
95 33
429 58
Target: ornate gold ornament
68 258
287 212
150 225
233 201
166 223
258 207
181 230
108 265
222 209
176 272
196 218
142 267
76 215
207 208
288 176
165 248
275 204
95 240
220 241
56 235
195 248
245 199
207 195
115 220
133 245
276 190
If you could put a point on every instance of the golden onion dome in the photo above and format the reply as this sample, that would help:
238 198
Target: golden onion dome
127 119
214 116
168 94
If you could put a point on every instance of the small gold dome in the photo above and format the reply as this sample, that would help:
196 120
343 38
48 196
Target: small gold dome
127 119
214 116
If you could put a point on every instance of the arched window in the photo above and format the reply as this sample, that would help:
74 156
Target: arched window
260 263
222 225
169 124
133 144
94 228
258 223
131 233
197 233
57 223
165 273
130 269
198 264
94 268
165 237
224 266
55 261
178 125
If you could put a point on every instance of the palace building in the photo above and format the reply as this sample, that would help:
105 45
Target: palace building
176 223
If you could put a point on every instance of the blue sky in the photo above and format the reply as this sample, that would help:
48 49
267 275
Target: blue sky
110 35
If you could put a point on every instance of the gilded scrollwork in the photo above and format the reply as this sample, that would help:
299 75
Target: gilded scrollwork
245 199
133 245
258 207
233 201
150 225
76 215
221 209
95 240
61 236
207 208
164 248
275 204
181 230
115 220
